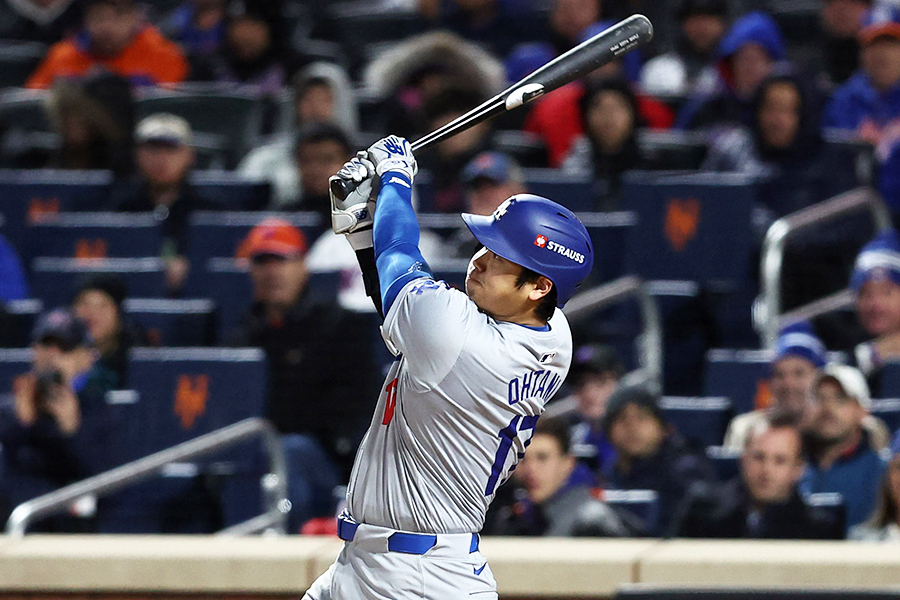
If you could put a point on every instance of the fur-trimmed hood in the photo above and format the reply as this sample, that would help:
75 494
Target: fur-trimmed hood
470 66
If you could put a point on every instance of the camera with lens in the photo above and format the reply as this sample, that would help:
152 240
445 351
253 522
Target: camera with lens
45 386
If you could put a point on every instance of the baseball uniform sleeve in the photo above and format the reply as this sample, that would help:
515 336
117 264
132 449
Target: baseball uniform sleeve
428 323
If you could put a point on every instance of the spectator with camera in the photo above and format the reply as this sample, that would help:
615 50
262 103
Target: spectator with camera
57 430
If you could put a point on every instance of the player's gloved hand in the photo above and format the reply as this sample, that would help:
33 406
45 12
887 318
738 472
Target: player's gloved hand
354 214
393 154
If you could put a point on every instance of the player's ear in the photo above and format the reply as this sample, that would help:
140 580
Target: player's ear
542 287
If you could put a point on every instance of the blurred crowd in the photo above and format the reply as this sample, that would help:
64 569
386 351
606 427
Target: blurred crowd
770 90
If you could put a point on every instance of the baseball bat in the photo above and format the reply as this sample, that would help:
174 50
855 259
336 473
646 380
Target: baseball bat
593 53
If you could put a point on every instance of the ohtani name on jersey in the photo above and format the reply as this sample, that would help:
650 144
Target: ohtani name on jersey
534 384
567 252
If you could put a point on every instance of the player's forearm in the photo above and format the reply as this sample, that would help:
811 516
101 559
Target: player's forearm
396 237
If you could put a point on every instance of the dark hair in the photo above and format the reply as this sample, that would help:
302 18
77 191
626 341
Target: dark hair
779 419
613 84
544 310
452 100
315 133
558 429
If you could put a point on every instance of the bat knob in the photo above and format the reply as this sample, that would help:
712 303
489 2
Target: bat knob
341 188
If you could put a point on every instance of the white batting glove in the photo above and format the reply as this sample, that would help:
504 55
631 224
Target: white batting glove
355 213
393 154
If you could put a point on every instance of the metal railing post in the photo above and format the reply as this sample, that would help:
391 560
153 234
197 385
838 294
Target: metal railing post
768 311
649 343
148 466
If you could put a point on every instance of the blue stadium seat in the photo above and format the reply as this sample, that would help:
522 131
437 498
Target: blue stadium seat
94 235
888 410
725 461
27 195
173 323
701 421
219 234
642 505
13 362
54 280
690 227
890 380
227 190
179 394
736 374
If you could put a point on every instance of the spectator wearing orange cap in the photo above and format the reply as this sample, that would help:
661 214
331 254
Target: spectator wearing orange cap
114 38
314 399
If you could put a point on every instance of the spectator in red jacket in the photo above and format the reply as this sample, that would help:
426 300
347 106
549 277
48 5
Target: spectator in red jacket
114 38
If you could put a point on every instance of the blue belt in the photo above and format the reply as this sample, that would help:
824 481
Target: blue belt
400 541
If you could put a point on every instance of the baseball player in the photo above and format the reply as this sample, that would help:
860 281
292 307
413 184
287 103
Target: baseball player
471 376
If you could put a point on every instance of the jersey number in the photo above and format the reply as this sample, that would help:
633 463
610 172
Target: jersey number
506 435
390 401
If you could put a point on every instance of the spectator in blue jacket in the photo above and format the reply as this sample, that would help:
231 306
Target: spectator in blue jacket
869 103
13 285
651 455
840 457
198 26
747 54
57 429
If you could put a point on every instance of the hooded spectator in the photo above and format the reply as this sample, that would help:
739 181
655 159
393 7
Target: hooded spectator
116 39
702 23
45 21
747 54
868 104
322 94
408 76
608 147
569 21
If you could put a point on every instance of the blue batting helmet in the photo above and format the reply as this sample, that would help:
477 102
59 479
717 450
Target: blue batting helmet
540 235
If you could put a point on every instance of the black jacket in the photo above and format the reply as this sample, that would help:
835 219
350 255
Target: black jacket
725 512
322 373
173 219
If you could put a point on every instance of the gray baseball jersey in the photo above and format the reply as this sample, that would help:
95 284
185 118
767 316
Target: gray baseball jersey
457 410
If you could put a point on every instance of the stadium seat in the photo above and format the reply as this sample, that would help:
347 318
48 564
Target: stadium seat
18 60
54 280
13 362
179 394
888 410
28 196
890 380
236 117
739 375
725 461
231 191
93 235
17 319
642 505
27 136
701 421
219 234
173 323
690 227
672 150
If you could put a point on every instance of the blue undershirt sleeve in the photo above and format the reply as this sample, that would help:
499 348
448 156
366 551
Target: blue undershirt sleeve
396 238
